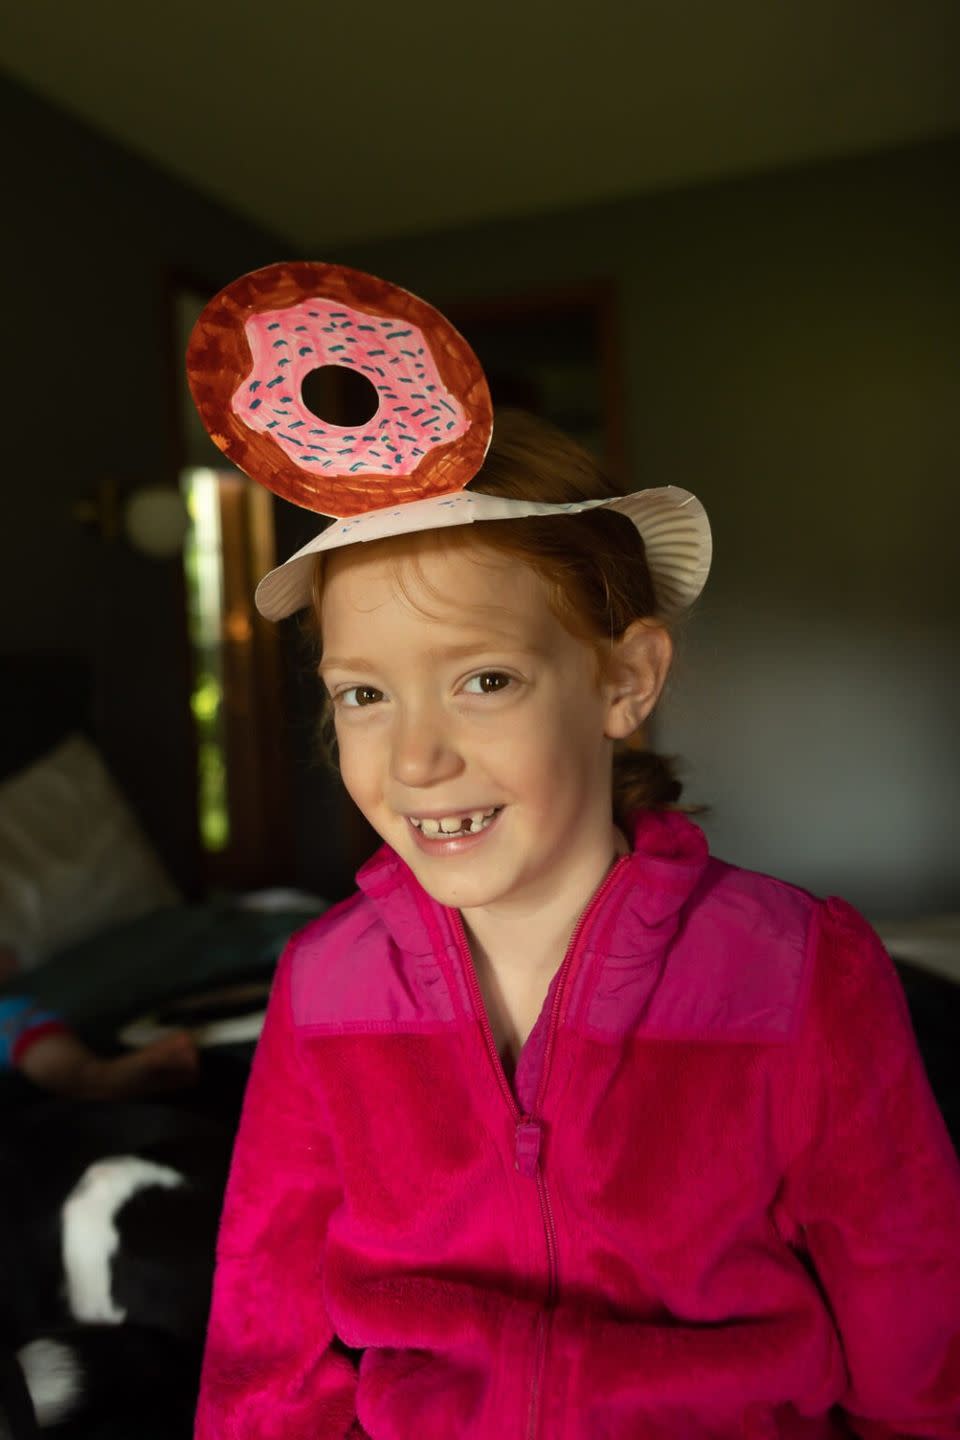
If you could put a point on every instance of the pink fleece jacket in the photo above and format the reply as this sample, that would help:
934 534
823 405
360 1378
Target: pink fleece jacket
718 1200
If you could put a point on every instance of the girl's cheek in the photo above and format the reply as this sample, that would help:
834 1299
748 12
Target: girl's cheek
359 742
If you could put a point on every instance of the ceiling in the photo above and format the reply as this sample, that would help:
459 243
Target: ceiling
362 120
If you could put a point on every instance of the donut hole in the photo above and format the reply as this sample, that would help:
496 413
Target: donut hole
339 395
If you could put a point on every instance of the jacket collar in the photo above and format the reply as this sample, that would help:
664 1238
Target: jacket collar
650 888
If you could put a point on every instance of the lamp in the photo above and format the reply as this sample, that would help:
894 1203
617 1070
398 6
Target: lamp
153 518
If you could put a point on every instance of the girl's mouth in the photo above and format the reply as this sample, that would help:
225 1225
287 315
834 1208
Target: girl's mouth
453 833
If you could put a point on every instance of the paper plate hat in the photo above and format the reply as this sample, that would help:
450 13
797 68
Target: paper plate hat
429 428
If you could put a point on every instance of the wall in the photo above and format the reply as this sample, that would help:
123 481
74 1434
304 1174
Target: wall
91 237
789 350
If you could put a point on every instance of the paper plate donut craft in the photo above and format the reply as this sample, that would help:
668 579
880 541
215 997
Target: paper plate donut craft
258 341
405 468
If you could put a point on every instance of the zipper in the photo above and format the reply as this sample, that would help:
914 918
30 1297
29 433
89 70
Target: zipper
533 1416
527 1128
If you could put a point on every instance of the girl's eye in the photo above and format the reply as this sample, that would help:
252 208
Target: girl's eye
358 696
488 682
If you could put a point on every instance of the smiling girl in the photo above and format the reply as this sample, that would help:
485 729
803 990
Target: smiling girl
474 733
561 1127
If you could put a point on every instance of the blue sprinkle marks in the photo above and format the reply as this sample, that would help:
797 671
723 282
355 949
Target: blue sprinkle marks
278 380
278 343
298 328
358 466
408 352
314 314
398 459
416 413
338 314
349 437
398 334
318 432
283 362
347 450
416 451
398 408
368 437
272 424
305 350
347 324
327 464
336 347
280 412
408 437
366 327
449 424
254 385
286 399
375 452
417 395
295 424
404 379
308 459
323 448
376 352
274 326
448 407
367 367
430 389
254 404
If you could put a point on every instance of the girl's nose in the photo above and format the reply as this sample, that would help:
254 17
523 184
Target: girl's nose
423 752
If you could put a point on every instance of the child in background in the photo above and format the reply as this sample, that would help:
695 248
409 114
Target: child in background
41 1045
561 1127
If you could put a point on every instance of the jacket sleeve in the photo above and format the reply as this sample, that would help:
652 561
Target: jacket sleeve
874 1187
271 1370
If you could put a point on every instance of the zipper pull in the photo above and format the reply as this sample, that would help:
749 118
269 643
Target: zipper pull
527 1149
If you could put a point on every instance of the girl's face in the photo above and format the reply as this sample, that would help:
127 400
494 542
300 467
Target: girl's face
464 696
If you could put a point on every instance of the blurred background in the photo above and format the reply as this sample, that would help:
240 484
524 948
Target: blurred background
718 242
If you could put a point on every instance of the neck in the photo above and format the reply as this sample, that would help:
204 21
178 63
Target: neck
532 941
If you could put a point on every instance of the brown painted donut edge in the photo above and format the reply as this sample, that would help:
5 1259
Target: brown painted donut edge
218 359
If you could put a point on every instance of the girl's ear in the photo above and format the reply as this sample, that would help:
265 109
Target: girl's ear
636 672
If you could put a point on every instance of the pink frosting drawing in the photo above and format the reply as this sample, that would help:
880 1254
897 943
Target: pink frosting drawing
416 411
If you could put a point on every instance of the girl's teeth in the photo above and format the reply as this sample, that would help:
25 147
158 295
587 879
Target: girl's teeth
453 824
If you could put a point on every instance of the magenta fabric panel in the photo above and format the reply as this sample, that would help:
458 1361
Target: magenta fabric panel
351 973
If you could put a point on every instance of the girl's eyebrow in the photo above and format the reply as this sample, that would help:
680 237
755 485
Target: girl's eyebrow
450 652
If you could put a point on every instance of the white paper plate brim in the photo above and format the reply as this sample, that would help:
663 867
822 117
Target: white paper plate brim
673 523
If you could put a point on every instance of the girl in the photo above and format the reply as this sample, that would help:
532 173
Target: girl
561 1127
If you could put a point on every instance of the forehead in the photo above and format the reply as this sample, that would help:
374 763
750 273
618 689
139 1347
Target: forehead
419 589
